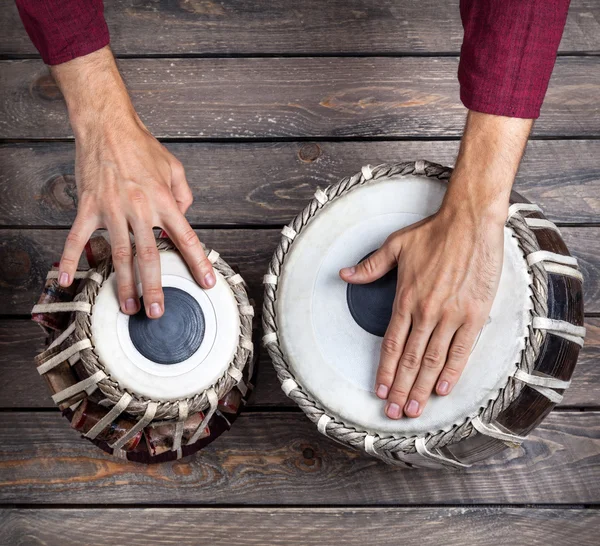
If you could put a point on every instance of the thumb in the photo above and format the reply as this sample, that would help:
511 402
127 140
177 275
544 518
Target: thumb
180 188
371 268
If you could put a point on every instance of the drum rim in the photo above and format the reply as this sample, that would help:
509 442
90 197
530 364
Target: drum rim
165 410
385 446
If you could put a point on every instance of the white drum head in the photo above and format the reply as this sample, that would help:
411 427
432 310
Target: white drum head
160 382
335 360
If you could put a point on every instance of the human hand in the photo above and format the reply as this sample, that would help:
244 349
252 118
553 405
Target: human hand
449 268
126 180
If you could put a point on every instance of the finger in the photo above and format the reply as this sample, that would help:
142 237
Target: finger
458 355
122 255
180 188
371 268
148 261
391 351
408 369
80 233
187 242
431 367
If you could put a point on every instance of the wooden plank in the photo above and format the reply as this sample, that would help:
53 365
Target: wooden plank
483 526
281 458
22 387
276 26
26 256
295 97
269 183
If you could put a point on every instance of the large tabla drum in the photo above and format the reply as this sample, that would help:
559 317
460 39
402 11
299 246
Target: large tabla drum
324 336
148 390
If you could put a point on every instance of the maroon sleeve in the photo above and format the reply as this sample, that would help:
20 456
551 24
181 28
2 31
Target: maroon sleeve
64 29
508 54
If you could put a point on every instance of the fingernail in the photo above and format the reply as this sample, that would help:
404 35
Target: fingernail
443 387
63 279
209 279
382 391
349 271
393 411
413 407
154 310
130 305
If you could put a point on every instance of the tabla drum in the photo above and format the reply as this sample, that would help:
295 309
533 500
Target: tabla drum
324 336
148 390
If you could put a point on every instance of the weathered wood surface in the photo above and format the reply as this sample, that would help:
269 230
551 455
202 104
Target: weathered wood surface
22 387
26 256
280 458
479 526
269 183
276 27
295 97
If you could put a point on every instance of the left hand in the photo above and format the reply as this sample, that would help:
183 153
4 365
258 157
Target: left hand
449 268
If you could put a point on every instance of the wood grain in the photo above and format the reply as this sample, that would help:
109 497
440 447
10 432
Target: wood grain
483 526
276 26
26 256
22 387
269 183
295 97
281 458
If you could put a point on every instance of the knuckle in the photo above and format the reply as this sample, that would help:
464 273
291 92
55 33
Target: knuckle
122 254
73 238
459 351
427 308
410 361
432 359
126 289
368 265
451 373
420 392
189 238
398 393
203 263
189 200
403 302
147 253
390 346
138 197
68 263
153 292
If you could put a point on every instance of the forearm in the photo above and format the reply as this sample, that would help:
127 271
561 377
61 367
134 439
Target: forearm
64 29
95 93
490 152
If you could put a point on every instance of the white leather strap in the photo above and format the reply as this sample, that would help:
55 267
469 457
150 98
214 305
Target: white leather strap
114 412
423 450
322 423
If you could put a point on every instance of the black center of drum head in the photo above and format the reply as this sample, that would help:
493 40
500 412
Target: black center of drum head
176 335
371 304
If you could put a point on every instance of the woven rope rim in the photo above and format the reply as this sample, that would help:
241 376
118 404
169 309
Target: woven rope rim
386 445
167 409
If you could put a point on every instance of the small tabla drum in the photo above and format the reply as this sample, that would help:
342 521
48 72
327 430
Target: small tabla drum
324 336
148 390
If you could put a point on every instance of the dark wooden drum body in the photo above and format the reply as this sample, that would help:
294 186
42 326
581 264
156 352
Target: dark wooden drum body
142 390
519 367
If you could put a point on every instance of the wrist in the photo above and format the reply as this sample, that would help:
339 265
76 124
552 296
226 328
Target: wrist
95 93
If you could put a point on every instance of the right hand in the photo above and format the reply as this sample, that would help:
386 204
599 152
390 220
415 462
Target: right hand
126 180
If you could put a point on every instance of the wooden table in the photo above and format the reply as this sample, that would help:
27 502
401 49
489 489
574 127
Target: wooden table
263 101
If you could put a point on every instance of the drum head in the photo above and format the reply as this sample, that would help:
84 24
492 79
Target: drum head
335 358
174 357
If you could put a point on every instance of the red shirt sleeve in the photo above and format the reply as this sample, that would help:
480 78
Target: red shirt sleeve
508 54
64 29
